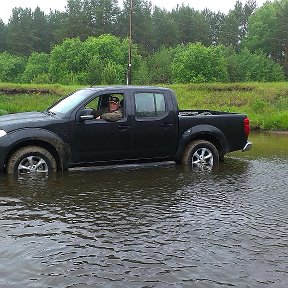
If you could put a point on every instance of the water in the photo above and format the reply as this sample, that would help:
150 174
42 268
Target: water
151 225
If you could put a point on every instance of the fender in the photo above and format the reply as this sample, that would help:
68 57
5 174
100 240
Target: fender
42 137
204 132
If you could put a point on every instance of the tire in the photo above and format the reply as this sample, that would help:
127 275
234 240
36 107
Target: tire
201 155
31 159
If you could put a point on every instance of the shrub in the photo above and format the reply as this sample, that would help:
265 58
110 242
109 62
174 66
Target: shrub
160 66
196 63
11 67
42 79
67 61
140 73
112 74
37 65
246 66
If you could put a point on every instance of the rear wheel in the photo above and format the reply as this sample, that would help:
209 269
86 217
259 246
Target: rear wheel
202 155
31 159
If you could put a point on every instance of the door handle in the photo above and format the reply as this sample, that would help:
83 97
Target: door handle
124 127
166 125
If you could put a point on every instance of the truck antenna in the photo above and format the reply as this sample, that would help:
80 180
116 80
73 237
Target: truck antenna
129 70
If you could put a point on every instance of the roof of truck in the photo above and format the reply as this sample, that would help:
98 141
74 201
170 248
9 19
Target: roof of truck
127 87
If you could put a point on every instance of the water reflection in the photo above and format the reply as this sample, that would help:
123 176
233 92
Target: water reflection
268 144
148 226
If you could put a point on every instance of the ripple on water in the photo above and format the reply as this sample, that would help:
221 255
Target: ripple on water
147 227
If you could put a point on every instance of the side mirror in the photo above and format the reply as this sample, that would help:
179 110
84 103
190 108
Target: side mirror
86 114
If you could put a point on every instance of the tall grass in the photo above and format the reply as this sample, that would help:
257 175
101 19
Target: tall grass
51 88
266 104
25 102
24 97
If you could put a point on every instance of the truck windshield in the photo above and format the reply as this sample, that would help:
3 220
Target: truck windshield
70 102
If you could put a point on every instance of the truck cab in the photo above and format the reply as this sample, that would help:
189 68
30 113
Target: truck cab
148 129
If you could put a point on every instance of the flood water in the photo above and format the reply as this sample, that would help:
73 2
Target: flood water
150 225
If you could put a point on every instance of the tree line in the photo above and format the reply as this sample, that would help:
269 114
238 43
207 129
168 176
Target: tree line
182 45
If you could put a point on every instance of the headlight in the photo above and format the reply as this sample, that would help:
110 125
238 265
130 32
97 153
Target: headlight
2 133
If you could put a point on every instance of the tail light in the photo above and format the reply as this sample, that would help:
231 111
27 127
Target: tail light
246 126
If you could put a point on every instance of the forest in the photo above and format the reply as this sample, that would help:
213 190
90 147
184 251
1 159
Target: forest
88 43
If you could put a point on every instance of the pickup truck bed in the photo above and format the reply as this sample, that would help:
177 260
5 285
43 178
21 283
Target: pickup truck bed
230 127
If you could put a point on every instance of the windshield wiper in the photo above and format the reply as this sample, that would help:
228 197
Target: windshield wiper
50 113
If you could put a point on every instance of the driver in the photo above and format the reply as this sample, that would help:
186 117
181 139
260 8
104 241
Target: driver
114 112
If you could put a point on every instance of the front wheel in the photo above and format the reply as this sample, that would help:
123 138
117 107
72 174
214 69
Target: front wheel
202 155
31 159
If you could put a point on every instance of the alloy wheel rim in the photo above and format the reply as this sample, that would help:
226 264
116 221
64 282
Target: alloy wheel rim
33 164
202 159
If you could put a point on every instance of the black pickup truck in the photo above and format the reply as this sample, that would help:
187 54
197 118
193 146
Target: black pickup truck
152 129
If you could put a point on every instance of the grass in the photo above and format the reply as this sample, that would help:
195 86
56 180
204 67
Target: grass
24 97
266 104
25 102
49 88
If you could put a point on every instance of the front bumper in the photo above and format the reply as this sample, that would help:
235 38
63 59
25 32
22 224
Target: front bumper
247 147
5 143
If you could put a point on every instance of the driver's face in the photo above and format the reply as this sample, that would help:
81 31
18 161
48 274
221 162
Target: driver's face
113 106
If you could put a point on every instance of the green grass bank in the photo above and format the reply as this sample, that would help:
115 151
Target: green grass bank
266 104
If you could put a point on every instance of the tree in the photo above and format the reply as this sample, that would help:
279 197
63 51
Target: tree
56 27
262 29
196 63
268 31
37 65
215 22
11 67
106 54
229 32
248 10
76 20
68 61
20 33
102 16
28 32
97 60
160 65
165 29
246 66
41 35
109 48
234 27
142 24
112 73
192 25
282 34
3 36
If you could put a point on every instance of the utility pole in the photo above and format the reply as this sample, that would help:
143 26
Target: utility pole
129 70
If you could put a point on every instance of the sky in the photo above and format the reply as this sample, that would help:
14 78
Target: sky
45 5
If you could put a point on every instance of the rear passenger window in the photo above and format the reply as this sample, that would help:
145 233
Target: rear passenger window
149 105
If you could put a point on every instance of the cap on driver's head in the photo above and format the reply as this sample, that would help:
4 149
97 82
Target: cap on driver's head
114 99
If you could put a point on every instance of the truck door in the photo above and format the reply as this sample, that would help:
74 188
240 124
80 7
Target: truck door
100 140
155 126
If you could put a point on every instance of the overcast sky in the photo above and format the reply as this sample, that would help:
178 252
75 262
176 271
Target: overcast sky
45 5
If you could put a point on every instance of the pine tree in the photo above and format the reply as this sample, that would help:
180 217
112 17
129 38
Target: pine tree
20 33
3 36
